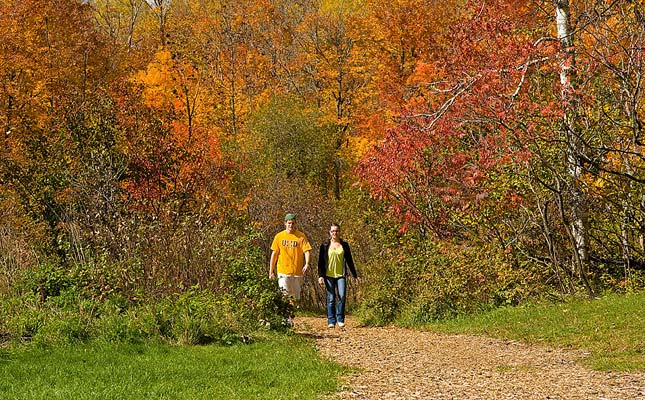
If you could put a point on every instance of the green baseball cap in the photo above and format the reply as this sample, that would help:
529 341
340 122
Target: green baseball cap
289 217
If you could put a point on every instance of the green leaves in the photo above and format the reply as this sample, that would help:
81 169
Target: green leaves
292 141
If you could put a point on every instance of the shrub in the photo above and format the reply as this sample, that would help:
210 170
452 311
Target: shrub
97 300
254 298
195 317
434 281
48 280
21 317
21 240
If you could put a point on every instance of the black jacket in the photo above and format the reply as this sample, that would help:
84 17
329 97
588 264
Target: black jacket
323 259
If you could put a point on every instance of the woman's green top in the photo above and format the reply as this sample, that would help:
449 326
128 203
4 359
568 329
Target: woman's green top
336 259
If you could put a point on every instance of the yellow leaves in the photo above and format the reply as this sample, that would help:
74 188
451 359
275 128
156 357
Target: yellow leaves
599 184
360 146
340 6
157 80
174 91
243 204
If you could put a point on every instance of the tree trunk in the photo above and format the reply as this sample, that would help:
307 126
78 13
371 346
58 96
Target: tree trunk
570 101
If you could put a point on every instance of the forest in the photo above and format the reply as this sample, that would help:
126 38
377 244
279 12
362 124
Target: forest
477 154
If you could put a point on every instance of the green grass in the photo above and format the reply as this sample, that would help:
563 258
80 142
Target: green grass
611 328
280 368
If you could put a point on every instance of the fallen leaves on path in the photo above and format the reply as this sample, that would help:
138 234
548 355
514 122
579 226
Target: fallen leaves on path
395 363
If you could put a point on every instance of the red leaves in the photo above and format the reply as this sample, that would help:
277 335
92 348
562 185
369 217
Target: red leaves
453 145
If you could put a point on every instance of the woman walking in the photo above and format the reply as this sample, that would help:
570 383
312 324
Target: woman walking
334 258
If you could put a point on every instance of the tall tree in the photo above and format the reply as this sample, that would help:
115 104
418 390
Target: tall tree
572 136
54 76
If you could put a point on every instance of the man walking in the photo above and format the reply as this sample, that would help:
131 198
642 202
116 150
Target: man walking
290 252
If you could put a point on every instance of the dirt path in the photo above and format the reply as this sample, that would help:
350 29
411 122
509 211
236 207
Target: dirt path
394 363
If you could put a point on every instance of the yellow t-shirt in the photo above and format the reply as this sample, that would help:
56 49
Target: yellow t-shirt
291 248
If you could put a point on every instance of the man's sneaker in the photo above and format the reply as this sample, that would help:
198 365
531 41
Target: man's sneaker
341 324
330 326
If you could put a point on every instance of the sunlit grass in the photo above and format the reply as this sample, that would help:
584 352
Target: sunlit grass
611 328
280 368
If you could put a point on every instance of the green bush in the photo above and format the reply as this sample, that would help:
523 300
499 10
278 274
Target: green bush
48 280
379 309
63 328
431 281
195 317
193 281
124 326
254 298
97 300
21 317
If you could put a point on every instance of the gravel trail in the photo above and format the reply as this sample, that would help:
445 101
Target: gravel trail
395 363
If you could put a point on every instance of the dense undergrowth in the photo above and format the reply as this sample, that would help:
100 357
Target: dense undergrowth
192 282
415 280
222 297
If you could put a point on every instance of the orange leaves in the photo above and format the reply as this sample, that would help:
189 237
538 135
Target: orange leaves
425 73
157 80
176 147
47 58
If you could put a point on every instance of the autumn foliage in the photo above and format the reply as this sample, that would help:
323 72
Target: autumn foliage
134 130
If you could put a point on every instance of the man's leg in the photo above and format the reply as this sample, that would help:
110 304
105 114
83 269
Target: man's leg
292 287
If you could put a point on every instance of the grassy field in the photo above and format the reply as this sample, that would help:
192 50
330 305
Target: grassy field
611 328
280 368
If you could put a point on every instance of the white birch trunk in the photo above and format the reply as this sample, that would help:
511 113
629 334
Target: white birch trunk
570 101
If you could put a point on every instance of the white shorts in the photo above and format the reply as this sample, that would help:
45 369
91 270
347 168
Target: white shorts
291 284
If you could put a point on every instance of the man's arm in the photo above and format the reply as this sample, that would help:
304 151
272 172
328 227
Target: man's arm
272 261
307 254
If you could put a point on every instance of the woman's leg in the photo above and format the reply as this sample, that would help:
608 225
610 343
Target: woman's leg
330 285
340 303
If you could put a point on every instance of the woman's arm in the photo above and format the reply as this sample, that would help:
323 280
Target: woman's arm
322 260
349 259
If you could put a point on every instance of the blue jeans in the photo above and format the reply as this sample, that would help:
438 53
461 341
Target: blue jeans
336 290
